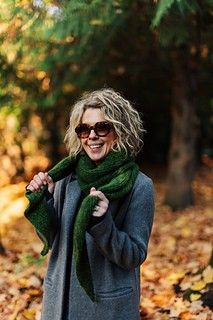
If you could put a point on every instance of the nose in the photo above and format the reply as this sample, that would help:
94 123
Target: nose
92 134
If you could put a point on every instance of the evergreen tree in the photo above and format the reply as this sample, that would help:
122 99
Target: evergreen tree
183 28
51 52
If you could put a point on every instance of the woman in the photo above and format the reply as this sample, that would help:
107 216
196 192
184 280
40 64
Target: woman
98 217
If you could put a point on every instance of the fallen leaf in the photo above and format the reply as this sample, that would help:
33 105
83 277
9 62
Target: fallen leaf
34 292
208 274
34 281
185 315
195 296
199 285
175 276
186 232
29 314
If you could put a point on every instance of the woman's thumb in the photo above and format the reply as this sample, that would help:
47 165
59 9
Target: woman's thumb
92 189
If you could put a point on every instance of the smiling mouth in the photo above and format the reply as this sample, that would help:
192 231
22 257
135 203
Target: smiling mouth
96 146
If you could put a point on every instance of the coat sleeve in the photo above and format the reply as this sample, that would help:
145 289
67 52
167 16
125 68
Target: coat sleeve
127 248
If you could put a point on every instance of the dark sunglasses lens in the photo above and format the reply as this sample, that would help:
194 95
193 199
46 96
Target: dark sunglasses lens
82 131
102 128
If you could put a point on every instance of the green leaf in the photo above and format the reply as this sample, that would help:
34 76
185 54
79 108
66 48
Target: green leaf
162 9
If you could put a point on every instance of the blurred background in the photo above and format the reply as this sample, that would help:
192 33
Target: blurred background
158 54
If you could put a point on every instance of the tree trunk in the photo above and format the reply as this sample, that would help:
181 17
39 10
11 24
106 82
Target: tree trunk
182 153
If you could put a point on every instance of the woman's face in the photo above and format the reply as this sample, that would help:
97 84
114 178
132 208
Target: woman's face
96 147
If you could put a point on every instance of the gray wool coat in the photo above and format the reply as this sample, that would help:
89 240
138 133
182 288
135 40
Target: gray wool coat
117 246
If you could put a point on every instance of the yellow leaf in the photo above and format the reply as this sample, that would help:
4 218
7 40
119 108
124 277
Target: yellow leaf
186 232
20 74
34 292
68 87
69 39
185 315
197 286
46 84
40 75
161 300
174 277
11 56
29 314
96 22
23 282
208 274
195 296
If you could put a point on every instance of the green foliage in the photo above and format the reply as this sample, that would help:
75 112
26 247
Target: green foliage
162 9
82 35
180 22
66 43
182 7
51 51
27 260
174 36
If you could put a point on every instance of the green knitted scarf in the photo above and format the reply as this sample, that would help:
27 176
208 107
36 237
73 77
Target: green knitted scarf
114 176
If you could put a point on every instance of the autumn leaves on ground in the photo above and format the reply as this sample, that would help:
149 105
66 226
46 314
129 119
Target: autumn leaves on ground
176 266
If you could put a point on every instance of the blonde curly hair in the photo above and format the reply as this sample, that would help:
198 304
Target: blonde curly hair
126 120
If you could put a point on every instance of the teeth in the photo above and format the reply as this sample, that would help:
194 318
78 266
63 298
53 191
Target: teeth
95 146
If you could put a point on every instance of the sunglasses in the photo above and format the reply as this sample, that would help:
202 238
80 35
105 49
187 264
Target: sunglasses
101 129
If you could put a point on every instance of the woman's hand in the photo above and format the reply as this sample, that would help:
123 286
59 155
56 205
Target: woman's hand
102 206
39 180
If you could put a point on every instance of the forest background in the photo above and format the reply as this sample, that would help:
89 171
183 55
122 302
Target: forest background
158 54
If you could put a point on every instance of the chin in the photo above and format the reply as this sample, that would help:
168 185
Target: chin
96 157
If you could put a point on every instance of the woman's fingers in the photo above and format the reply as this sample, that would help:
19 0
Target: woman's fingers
51 184
100 194
33 186
40 180
43 177
30 187
48 178
102 206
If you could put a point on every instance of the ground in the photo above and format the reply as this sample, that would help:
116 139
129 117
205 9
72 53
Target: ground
179 252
